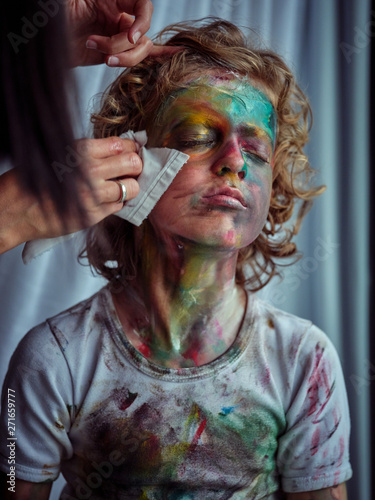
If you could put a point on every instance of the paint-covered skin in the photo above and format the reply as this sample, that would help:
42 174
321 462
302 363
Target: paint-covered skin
187 304
181 324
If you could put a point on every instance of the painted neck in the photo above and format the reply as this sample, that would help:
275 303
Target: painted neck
188 306
187 275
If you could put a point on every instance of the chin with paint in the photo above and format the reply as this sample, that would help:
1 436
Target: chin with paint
175 380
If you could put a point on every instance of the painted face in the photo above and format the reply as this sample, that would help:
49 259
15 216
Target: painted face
221 196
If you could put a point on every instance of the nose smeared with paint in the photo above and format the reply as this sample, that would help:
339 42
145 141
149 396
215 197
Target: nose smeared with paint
231 162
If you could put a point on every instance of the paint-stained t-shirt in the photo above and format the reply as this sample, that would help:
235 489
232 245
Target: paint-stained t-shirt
269 415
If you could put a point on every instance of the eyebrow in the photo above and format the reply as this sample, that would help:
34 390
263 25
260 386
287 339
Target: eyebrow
197 117
201 121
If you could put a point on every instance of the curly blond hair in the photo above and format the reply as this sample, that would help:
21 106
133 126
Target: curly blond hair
133 102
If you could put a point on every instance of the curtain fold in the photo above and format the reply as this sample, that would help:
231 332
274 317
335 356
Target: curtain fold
370 300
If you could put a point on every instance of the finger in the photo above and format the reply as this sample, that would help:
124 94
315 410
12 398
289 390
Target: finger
132 188
165 50
101 203
111 192
124 165
142 10
112 207
118 42
110 44
105 147
131 57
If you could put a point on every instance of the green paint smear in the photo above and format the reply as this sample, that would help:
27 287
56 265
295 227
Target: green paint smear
255 434
246 97
238 94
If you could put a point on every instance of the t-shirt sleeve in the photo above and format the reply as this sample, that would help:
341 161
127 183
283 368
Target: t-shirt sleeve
40 384
313 453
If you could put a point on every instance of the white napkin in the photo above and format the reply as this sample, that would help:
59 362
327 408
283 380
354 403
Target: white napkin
160 167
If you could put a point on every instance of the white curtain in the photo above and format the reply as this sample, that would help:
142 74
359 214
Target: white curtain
326 42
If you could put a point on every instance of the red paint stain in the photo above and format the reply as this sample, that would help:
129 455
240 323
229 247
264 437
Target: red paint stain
313 395
144 350
316 419
319 380
128 401
342 451
219 329
230 235
194 357
315 441
193 352
198 434
266 378
318 356
152 448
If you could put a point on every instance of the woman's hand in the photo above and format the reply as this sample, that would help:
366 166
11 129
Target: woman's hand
106 31
104 160
23 218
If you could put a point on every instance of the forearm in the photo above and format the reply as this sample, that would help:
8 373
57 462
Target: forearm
24 218
335 493
15 205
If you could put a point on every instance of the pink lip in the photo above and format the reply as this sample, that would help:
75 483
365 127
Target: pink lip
225 196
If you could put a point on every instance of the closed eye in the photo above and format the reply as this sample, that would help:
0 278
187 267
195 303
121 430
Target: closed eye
256 155
195 143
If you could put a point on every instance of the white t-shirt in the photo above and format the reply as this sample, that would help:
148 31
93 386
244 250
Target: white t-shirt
270 414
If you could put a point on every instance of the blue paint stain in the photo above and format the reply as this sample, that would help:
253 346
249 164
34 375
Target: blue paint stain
226 410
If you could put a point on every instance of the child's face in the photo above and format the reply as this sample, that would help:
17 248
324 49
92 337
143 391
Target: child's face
221 196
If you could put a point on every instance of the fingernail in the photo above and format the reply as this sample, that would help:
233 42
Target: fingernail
113 61
90 44
136 37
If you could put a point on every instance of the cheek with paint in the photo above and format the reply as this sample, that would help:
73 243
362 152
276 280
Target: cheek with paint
232 238
259 186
